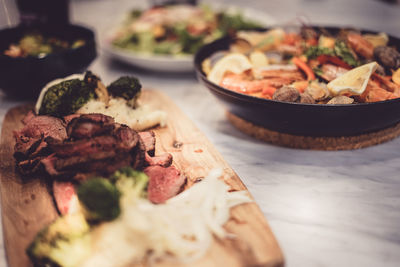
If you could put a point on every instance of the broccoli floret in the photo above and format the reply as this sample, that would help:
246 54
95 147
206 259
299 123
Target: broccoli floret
65 242
99 199
129 181
344 52
127 87
190 43
68 96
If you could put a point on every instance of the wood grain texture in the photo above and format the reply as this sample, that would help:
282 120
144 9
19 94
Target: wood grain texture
27 205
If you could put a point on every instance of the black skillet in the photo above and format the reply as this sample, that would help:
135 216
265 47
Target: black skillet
297 118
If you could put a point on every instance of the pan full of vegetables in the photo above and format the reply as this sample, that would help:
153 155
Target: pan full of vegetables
313 81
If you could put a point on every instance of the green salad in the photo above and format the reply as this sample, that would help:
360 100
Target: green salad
177 29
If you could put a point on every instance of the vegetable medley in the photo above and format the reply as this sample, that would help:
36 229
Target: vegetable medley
37 45
177 29
308 66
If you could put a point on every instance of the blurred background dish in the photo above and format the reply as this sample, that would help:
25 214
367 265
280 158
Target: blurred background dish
41 46
23 74
155 39
300 118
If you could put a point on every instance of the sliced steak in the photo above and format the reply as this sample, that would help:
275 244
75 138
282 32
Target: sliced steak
30 145
64 194
127 137
108 166
149 141
29 166
163 160
41 150
164 183
95 145
139 154
25 146
30 115
43 125
81 162
69 118
48 164
84 147
89 125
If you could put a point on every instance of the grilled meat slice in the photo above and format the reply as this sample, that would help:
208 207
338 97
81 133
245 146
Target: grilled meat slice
164 183
149 141
42 125
127 138
89 125
83 147
29 166
25 146
163 160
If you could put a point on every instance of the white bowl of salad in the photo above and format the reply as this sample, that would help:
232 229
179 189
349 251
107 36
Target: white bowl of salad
166 38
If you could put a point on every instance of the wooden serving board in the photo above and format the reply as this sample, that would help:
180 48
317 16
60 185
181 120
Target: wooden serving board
27 205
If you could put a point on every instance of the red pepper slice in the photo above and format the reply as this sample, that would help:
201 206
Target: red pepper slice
334 60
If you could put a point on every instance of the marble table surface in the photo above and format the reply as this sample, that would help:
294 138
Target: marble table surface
325 208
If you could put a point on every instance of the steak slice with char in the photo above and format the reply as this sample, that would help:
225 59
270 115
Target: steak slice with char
43 125
101 154
164 183
138 154
29 166
25 146
41 150
149 141
163 160
67 119
91 143
127 137
89 125
83 147
30 145
81 162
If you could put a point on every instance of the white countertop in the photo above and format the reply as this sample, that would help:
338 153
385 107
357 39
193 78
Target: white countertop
325 208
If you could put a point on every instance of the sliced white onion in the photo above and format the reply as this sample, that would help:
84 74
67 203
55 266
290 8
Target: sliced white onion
182 228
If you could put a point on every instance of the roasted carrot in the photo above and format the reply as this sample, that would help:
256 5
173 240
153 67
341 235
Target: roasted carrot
304 67
268 90
334 60
312 41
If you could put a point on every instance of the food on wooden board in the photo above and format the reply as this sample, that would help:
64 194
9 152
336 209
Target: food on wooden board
276 59
86 93
110 185
134 229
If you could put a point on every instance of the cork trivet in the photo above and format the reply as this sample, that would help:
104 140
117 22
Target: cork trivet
315 143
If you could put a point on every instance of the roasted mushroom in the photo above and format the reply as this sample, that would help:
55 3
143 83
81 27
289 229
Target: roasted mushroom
286 94
387 57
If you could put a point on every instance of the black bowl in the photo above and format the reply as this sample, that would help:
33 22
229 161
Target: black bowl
24 77
297 118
